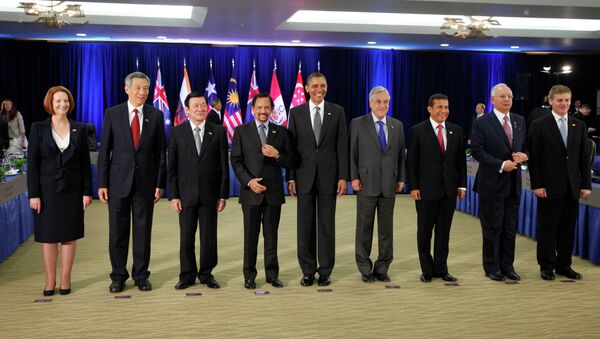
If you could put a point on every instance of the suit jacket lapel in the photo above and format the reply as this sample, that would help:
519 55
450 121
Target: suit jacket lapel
554 130
271 134
392 135
146 125
327 117
450 137
496 126
571 127
431 135
206 139
73 142
123 123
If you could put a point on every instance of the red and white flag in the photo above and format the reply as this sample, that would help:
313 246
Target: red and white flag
299 97
279 115
251 93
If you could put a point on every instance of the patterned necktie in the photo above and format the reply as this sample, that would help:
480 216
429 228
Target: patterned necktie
135 129
381 135
262 134
197 139
317 123
507 130
563 129
440 137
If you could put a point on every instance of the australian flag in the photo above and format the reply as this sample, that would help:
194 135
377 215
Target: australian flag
161 103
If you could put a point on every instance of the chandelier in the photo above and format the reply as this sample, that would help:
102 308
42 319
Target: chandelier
476 28
52 16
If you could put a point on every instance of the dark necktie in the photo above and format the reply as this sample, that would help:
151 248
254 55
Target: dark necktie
262 134
135 129
507 130
381 135
317 123
197 139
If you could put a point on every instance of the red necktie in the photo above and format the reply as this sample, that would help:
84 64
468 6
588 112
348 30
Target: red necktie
441 138
135 128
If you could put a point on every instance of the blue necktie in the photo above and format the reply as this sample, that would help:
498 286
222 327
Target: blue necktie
381 134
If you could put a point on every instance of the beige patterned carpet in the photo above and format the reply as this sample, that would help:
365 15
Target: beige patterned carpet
478 307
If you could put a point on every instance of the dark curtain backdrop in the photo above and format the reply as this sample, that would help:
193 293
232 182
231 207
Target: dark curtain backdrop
94 72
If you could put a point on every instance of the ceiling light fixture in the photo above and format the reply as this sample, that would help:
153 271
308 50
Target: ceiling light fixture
52 16
444 45
81 34
515 47
296 41
372 42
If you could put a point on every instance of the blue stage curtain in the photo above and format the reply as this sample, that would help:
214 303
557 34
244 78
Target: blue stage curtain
94 72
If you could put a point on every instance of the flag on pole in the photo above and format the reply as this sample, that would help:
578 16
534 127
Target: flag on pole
211 90
279 115
233 114
181 116
161 103
251 93
299 97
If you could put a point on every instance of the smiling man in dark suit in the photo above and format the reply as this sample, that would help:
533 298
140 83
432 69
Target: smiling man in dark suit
559 165
377 174
215 115
320 139
131 178
198 170
259 151
497 143
437 175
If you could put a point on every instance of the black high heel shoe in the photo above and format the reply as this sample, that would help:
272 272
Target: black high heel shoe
48 293
64 291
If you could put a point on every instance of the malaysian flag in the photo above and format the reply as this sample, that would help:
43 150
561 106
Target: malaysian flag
279 115
251 93
181 116
233 114
299 97
211 90
161 103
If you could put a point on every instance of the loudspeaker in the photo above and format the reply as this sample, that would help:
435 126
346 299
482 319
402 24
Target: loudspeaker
521 89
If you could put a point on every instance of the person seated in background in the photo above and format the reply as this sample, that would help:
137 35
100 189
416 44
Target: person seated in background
538 112
16 127
591 120
59 184
479 112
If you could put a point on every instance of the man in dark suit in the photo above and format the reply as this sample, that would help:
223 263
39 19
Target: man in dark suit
377 174
319 136
131 178
479 112
539 112
497 143
215 115
437 175
259 151
559 165
591 120
198 170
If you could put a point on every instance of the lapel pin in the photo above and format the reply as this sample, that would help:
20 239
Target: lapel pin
146 120
209 133
273 132
573 125
73 130
328 113
450 132
391 126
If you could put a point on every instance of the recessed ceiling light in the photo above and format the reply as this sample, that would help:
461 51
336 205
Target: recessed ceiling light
161 37
515 47
81 34
296 41
372 42
444 45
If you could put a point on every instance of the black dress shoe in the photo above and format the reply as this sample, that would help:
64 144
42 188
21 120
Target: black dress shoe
425 278
512 275
447 277
250 284
368 278
144 285
569 273
547 275
275 282
117 286
324 280
183 284
307 280
48 293
211 282
382 277
64 291
496 276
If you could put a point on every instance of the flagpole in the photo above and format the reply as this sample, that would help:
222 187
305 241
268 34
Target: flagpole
275 62
137 64
158 62
210 63
184 64
253 64
318 65
300 66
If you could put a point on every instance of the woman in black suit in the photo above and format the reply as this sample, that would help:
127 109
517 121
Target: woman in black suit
59 184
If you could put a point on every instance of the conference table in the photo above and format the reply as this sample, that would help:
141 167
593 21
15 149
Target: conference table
587 231
16 218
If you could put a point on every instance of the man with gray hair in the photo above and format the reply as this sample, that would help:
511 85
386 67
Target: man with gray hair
131 178
215 115
497 141
377 174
